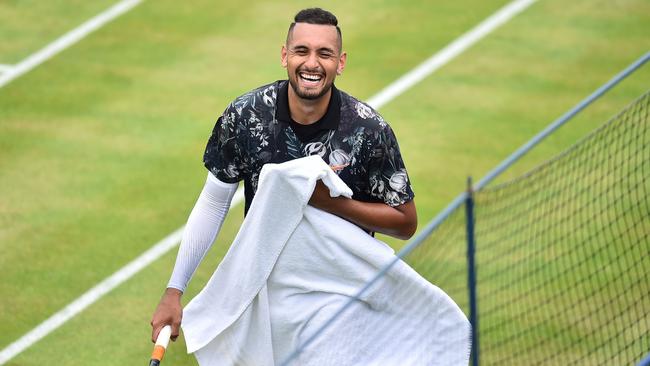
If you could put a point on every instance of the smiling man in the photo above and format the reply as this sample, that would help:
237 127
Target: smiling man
290 119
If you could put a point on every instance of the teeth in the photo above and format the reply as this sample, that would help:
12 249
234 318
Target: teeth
310 77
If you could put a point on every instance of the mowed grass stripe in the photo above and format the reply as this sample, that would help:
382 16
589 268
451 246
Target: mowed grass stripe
98 291
477 110
455 48
25 28
64 155
66 41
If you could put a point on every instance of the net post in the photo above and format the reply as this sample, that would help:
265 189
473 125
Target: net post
471 271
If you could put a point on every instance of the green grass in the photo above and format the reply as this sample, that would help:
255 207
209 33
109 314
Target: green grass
100 147
28 25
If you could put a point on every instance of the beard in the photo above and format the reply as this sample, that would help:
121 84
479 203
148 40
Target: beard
309 94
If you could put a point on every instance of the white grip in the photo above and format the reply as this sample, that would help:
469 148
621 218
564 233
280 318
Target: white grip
163 336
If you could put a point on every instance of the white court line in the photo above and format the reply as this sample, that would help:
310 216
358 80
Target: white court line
66 40
5 68
90 296
165 245
452 50
99 290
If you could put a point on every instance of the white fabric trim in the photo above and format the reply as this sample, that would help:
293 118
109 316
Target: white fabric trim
202 228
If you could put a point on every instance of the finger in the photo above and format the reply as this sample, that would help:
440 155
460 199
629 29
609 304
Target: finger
175 331
154 333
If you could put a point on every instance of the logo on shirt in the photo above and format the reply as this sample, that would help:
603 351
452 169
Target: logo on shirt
339 159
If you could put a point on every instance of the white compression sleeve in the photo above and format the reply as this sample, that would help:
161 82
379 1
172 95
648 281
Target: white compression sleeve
201 229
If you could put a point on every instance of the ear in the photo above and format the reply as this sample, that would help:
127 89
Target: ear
283 56
342 59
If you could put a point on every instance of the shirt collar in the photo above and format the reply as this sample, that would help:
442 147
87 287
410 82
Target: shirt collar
329 121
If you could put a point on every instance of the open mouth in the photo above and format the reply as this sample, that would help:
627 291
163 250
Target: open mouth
310 78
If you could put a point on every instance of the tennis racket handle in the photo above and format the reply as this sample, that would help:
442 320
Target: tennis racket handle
161 345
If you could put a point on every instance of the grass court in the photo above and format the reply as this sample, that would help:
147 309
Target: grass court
101 146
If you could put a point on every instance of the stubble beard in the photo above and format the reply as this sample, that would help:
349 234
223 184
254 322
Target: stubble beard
309 95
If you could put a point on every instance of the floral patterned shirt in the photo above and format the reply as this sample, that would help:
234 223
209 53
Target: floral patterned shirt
353 138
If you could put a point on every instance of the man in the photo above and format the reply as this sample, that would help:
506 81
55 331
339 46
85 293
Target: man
286 120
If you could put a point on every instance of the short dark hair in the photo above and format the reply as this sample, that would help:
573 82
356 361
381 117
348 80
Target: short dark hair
316 16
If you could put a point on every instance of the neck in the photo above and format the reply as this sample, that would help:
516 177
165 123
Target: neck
307 111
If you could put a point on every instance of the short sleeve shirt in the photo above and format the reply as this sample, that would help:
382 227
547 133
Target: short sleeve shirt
352 138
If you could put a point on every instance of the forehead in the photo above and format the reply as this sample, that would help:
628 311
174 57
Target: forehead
314 36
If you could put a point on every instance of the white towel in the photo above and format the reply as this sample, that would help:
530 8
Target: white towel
292 266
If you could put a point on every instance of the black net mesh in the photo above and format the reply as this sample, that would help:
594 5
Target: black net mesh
441 258
563 254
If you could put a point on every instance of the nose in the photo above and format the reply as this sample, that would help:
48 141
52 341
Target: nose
312 61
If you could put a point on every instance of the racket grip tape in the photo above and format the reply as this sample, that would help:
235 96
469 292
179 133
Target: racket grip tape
161 345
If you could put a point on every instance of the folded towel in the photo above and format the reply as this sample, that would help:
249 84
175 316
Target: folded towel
292 266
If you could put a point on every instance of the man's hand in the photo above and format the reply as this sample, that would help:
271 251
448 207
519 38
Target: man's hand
399 222
168 312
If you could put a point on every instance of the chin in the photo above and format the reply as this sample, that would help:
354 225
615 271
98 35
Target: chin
310 94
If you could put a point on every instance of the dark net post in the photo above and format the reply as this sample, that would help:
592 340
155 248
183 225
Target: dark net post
471 271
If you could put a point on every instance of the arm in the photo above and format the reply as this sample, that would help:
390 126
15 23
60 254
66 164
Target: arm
386 180
202 227
399 221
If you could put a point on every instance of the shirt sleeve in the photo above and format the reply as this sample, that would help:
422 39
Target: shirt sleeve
388 178
223 156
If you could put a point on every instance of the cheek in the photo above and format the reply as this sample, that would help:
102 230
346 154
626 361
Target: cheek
334 69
